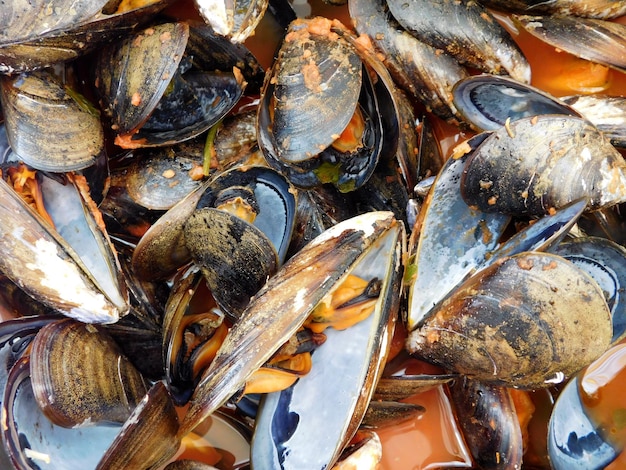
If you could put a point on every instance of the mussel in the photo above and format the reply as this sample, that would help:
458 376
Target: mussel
38 34
342 145
489 327
163 99
537 164
49 125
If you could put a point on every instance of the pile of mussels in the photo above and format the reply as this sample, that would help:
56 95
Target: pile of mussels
196 249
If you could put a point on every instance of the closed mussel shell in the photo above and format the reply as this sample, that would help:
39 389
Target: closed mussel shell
313 69
527 321
40 262
73 391
536 164
48 125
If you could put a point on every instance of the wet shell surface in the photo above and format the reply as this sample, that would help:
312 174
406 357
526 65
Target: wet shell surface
537 164
47 126
313 70
527 321
72 391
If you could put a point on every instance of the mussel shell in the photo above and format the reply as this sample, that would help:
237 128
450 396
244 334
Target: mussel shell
399 387
288 298
158 178
607 113
197 101
40 262
49 128
235 19
526 321
76 221
32 440
211 51
28 42
73 392
538 164
595 40
453 240
337 390
486 414
542 235
275 197
424 72
589 9
148 437
161 250
143 65
573 440
604 260
487 101
345 170
311 71
467 31
21 21
235 257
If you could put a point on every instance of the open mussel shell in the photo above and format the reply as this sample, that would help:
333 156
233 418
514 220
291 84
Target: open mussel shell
487 101
148 438
316 66
335 394
197 101
277 311
34 35
598 41
153 93
71 209
527 321
72 392
144 65
605 262
162 249
268 190
33 441
39 261
454 239
235 19
295 98
534 165
49 126
465 30
585 429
